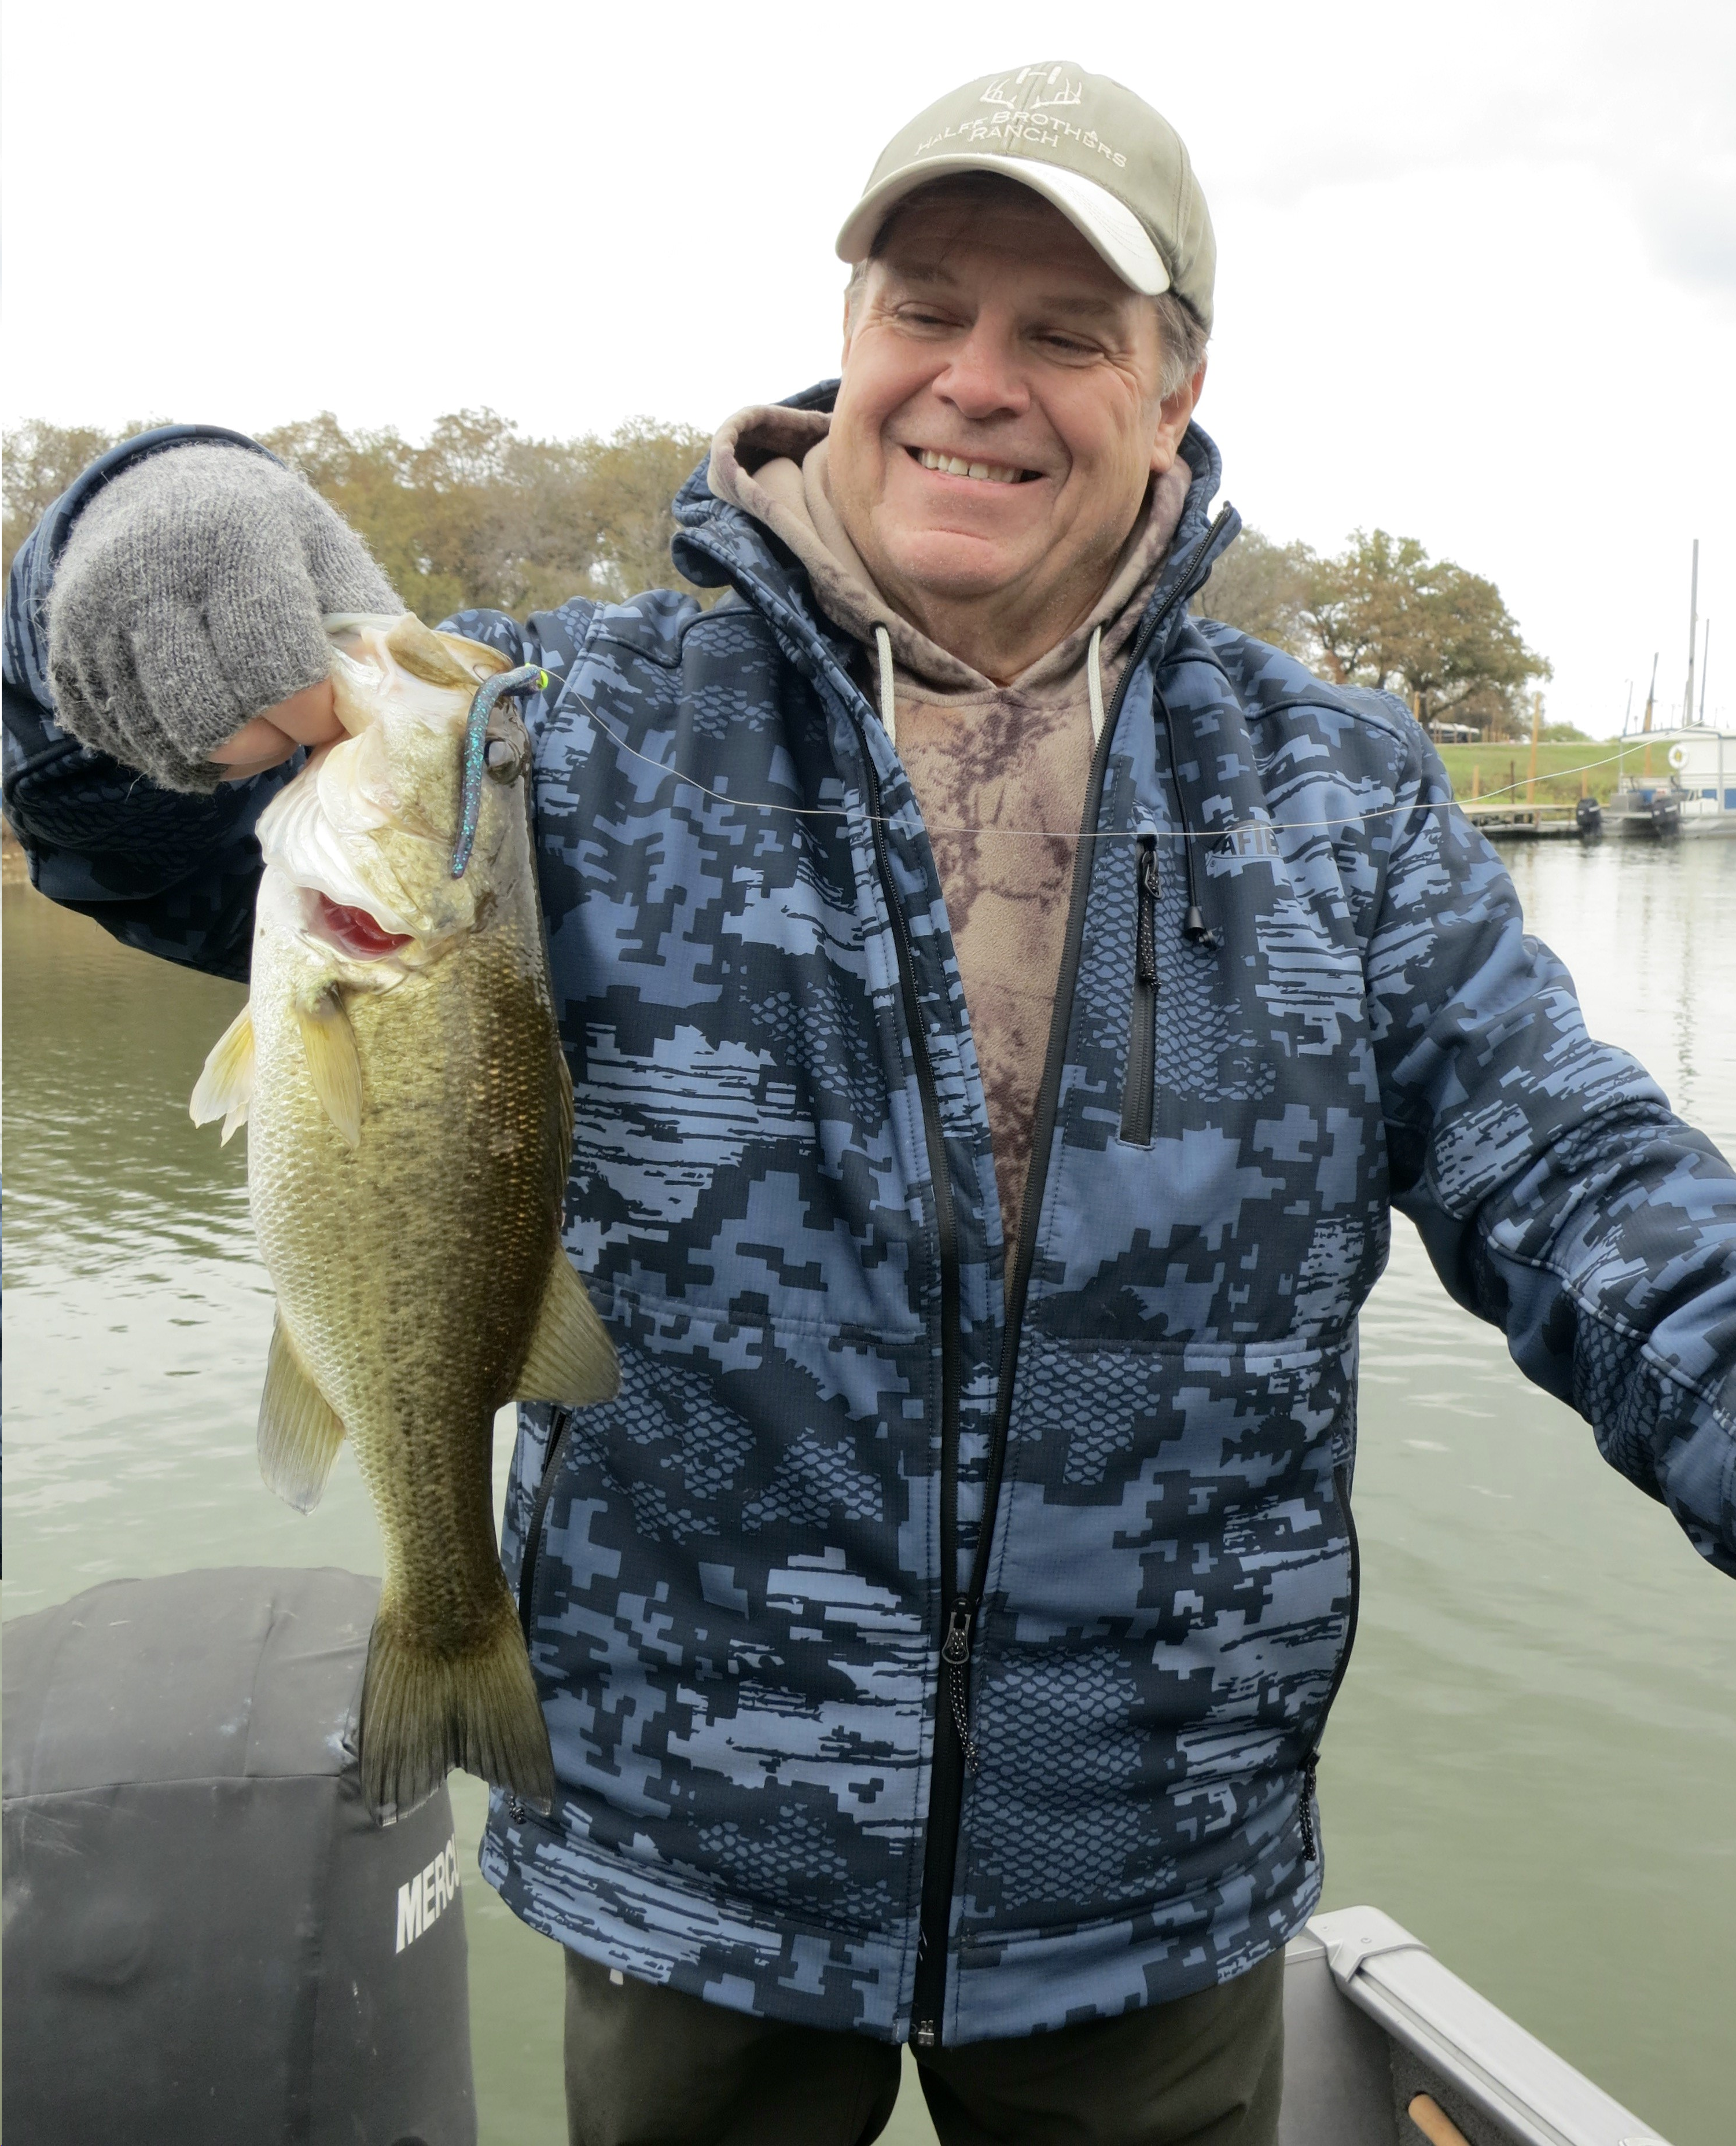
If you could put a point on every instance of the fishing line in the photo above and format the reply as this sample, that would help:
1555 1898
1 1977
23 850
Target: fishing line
1215 834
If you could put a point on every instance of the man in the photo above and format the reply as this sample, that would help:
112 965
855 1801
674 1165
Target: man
1004 1011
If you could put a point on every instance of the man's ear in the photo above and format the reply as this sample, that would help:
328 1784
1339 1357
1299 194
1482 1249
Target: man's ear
1175 413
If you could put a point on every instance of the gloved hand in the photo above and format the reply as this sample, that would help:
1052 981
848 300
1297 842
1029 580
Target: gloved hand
189 598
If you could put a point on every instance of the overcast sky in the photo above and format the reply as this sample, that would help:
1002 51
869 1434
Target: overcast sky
1477 277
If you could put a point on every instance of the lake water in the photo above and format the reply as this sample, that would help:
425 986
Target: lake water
1533 1762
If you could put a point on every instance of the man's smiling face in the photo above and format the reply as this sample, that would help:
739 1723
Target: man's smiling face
999 419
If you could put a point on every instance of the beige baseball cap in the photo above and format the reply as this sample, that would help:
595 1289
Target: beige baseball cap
1112 165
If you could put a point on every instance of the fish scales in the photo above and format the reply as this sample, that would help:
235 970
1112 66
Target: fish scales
409 1125
438 1274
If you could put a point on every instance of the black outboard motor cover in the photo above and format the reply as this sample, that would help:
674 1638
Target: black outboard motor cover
207 1938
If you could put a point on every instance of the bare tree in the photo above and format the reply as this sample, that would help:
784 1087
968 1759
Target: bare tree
42 460
1263 589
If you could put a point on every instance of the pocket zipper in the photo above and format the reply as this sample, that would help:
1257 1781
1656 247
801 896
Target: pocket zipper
1138 1097
1311 1760
531 1556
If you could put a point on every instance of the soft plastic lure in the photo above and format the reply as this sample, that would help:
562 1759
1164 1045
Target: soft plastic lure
527 678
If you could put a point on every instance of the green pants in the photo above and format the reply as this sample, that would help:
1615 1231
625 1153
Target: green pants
647 2066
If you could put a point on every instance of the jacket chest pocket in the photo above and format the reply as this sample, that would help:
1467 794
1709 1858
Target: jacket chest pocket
1267 997
1140 1091
1192 1043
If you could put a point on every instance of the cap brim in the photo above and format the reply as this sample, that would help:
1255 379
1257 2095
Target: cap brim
1111 227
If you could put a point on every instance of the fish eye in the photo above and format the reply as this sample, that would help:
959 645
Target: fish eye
503 759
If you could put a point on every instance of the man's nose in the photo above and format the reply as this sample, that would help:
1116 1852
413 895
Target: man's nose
983 378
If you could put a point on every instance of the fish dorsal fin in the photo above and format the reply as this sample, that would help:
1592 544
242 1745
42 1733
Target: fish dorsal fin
333 1063
421 651
299 1430
571 1359
225 1088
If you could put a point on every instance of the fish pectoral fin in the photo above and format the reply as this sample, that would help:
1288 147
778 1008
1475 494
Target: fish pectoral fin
333 1063
225 1087
571 1359
299 1430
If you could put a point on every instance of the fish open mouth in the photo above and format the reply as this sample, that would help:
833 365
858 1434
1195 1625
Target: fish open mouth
354 932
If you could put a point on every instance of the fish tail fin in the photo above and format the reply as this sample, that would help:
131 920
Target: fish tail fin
425 1709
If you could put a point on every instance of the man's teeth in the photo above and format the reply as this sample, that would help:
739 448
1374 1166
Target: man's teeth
951 466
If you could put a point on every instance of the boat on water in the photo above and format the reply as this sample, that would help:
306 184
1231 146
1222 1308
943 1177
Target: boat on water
1675 782
1385 2046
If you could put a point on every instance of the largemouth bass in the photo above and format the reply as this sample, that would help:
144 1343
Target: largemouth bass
410 1130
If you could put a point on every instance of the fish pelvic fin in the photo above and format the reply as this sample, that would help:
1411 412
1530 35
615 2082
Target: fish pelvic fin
225 1088
425 1709
571 1359
333 1063
299 1430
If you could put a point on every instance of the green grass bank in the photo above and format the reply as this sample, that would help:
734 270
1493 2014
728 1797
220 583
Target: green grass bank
1481 770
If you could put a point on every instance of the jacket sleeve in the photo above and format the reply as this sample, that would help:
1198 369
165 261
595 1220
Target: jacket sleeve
1558 1195
171 874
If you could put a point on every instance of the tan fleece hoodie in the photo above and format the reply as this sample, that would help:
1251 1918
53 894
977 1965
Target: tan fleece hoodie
979 757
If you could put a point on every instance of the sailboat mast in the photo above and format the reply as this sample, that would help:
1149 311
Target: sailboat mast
1693 632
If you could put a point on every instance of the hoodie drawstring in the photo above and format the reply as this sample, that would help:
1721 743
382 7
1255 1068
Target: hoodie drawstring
1093 679
888 698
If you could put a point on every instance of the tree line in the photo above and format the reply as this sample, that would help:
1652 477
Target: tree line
1382 612
480 513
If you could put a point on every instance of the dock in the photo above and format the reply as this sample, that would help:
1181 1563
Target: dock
1508 820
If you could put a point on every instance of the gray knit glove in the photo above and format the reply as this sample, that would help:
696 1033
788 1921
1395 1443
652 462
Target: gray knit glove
189 597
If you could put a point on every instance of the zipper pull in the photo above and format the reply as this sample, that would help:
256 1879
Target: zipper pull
924 2033
1145 939
955 1660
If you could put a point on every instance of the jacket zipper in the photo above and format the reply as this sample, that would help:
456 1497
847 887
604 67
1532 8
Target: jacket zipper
955 1750
947 1784
1138 1097
1311 1763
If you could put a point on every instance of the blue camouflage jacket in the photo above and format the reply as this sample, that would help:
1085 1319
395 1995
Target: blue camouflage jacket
936 1636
